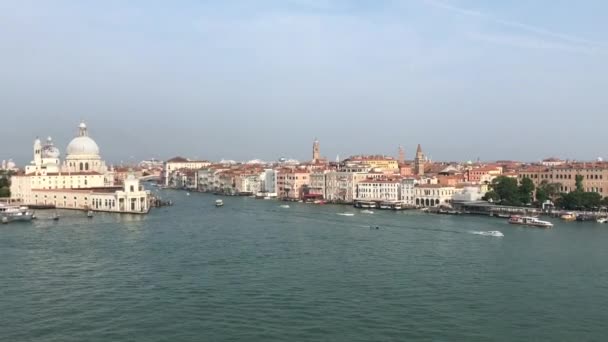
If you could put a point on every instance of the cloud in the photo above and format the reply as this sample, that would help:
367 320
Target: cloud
575 42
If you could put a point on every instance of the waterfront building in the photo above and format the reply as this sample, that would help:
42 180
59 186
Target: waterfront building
291 183
408 190
341 186
270 181
595 176
82 181
317 186
379 190
432 195
181 163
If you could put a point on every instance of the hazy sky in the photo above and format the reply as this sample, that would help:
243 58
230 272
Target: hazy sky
261 79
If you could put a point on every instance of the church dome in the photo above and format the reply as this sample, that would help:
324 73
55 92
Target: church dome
49 150
82 147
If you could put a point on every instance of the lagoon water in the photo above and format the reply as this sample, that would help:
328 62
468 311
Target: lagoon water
253 271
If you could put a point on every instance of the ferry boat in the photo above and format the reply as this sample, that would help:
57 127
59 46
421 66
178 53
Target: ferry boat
530 221
219 203
11 213
568 217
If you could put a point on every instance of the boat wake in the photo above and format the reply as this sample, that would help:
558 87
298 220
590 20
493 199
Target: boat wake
495 233
346 214
366 212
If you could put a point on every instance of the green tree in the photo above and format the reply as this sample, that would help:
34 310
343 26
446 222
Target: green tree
5 192
4 182
526 189
579 183
506 190
547 191
491 195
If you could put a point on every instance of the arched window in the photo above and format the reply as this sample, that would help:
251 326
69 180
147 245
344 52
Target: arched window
86 166
81 166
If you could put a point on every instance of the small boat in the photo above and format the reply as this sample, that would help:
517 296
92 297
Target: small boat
568 217
219 203
284 206
367 211
90 214
346 214
530 221
602 220
187 194
267 197
55 217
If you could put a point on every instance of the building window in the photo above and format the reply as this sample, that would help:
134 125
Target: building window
86 166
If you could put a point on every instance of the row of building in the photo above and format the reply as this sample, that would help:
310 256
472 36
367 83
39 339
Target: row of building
376 178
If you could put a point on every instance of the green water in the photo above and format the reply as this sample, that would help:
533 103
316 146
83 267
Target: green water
252 271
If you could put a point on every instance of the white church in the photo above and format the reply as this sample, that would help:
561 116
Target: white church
82 181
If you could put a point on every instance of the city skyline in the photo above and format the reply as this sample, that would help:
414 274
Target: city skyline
466 79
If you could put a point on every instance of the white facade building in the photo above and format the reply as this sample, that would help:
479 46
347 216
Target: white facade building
432 195
79 182
408 191
379 190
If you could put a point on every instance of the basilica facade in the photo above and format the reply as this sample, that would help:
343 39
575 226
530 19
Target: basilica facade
82 181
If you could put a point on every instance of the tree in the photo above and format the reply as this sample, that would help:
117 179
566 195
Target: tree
506 190
4 182
491 195
547 191
579 183
5 192
526 188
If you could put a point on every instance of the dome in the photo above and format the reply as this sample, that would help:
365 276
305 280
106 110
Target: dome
50 152
82 147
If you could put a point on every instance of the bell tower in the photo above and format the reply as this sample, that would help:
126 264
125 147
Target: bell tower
419 162
316 151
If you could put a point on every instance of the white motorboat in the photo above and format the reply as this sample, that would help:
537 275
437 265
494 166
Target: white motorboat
284 206
602 220
11 213
530 221
367 212
219 203
90 214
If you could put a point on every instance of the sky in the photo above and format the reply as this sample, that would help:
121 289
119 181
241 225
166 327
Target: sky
240 79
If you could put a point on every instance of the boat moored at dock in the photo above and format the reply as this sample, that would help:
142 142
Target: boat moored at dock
12 213
530 221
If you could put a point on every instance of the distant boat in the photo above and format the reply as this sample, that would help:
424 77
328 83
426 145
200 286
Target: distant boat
284 206
367 212
219 203
90 214
55 217
602 220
